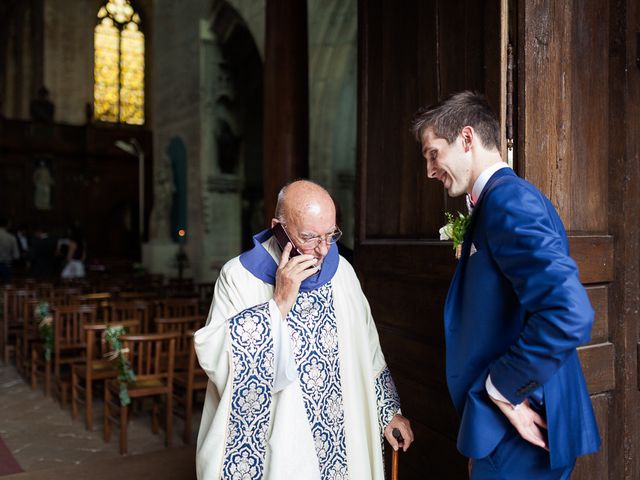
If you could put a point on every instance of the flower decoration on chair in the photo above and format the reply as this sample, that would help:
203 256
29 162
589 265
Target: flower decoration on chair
45 327
125 373
454 230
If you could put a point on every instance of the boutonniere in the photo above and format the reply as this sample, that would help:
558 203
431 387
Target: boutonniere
454 230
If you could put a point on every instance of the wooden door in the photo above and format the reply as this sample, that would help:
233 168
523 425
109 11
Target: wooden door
410 54
577 123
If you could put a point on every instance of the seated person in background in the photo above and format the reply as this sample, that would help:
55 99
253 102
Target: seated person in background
75 255
8 251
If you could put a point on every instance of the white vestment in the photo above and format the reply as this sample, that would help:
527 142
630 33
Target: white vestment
302 398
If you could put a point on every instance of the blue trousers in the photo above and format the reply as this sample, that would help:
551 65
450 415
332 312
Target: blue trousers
516 459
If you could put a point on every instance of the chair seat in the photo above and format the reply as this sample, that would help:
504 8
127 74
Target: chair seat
101 370
72 360
142 387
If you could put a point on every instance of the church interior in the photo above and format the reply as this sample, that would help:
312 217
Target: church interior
143 143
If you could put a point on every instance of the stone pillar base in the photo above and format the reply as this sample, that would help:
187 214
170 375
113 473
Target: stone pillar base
160 257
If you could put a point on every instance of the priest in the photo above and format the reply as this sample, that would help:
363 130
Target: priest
298 384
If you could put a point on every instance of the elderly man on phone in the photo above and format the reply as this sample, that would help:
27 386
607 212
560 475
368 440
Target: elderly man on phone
298 384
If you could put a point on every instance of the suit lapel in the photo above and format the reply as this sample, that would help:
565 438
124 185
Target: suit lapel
458 276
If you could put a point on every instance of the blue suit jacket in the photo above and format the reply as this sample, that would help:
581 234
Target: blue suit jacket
516 309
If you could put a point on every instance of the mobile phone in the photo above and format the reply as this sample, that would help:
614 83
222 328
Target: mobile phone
283 238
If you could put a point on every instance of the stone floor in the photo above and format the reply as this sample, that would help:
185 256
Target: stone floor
41 435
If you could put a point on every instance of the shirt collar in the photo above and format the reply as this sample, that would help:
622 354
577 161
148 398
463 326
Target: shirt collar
483 178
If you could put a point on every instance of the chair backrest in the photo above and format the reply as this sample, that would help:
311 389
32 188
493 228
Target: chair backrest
131 310
95 297
179 287
205 295
67 294
182 326
177 307
193 365
30 323
151 355
96 346
129 296
15 301
68 328
102 301
45 290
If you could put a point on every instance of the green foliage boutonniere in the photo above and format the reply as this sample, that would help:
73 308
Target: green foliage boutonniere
45 327
125 373
454 230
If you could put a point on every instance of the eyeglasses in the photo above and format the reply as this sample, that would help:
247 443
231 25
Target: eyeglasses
314 242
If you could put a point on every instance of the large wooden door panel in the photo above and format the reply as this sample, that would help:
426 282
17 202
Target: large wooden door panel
412 53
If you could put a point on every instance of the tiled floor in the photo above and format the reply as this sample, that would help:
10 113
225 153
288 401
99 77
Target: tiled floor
41 435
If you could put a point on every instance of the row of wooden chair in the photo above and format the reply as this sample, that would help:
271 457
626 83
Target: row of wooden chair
76 366
168 368
17 319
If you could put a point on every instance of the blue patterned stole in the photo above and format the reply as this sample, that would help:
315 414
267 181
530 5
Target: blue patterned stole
314 334
314 337
249 419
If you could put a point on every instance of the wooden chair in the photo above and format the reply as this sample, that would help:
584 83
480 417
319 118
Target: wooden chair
67 295
102 301
186 383
177 307
205 296
154 377
188 377
130 310
179 287
30 334
95 368
181 326
13 318
130 296
69 346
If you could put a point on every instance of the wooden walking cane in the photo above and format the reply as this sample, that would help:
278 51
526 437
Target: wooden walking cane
394 455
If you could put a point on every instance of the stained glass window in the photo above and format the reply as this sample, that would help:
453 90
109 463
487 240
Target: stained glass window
118 91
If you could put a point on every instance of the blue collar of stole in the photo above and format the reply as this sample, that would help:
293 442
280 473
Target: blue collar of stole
262 265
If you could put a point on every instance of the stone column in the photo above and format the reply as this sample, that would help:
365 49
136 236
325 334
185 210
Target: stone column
286 97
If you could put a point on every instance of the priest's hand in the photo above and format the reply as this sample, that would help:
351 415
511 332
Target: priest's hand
289 275
525 420
404 426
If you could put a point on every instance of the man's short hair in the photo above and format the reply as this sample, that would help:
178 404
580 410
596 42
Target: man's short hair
4 222
448 117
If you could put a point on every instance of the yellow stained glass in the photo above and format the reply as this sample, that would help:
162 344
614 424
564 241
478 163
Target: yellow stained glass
132 75
106 72
119 65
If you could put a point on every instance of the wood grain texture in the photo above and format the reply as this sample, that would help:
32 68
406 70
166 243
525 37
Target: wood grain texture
596 466
286 98
598 365
599 297
594 256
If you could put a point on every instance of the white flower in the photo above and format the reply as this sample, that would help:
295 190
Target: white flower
446 232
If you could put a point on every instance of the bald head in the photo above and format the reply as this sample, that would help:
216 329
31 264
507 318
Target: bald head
308 212
301 199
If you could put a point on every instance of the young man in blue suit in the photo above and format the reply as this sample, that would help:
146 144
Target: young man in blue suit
516 310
